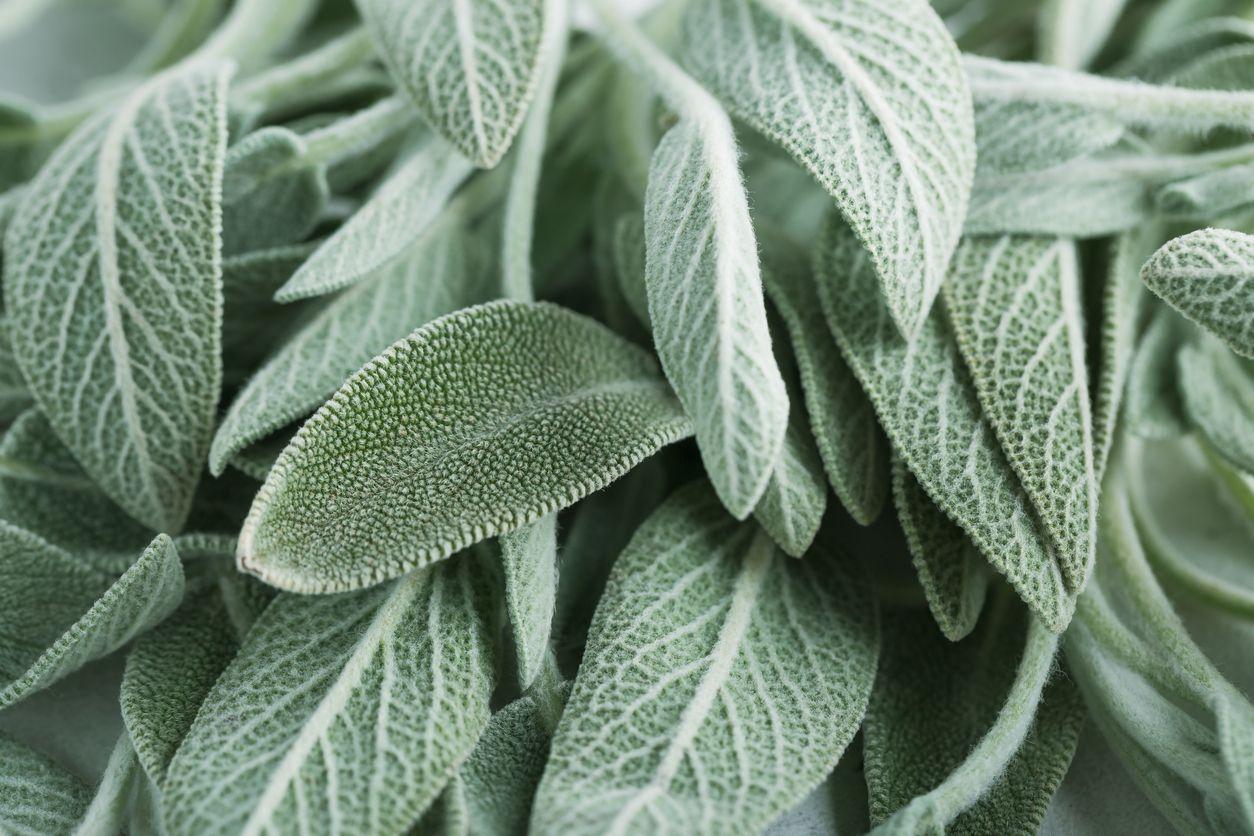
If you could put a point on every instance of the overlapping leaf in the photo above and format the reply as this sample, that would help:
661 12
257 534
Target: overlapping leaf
529 558
36 794
1217 388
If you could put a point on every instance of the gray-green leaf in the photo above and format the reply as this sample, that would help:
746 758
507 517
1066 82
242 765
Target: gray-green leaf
270 195
14 396
931 413
713 661
886 129
341 712
478 423
529 557
1154 406
113 280
37 796
1208 276
791 509
1218 393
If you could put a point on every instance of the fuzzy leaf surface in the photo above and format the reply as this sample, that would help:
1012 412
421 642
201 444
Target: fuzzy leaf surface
529 558
1217 388
1155 408
270 195
37 795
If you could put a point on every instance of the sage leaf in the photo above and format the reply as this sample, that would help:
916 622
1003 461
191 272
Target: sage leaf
107 811
1015 307
1182 42
1014 136
253 324
89 616
14 396
850 441
471 67
1074 31
1236 739
968 688
1213 194
270 197
529 557
791 509
436 276
348 710
168 674
887 131
37 795
397 214
707 635
629 264
931 413
1217 388
547 407
1207 277
953 573
1155 408
113 281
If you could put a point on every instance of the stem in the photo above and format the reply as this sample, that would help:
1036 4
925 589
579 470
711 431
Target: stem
520 206
363 130
311 71
968 783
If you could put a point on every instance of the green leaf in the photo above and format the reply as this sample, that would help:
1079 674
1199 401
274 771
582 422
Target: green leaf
168 674
931 413
886 129
107 811
1236 739
629 264
253 324
953 573
713 661
936 707
791 509
1208 276
113 283
43 490
436 276
497 416
1014 136
1218 393
37 796
1183 40
529 557
1154 406
471 67
350 711
1015 307
850 441
1210 195
398 213
1073 32
62 615
14 396
270 195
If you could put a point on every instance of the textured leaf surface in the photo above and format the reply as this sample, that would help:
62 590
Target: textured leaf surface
471 66
342 713
270 195
1155 408
705 303
873 101
61 615
403 467
113 281
1218 393
721 682
43 490
953 573
933 702
791 509
850 441
1015 307
1028 136
37 796
434 278
401 209
931 413
529 557
1208 276
14 396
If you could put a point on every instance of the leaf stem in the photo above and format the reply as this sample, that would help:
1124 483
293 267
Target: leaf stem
365 129
312 70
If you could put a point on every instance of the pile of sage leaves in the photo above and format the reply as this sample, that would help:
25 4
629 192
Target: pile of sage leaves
587 417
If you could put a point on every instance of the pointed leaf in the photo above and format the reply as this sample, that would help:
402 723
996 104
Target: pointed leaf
713 661
873 101
1218 391
931 413
1014 136
499 415
113 282
351 711
37 795
708 316
270 195
436 276
470 66
62 615
792 508
1015 307
1208 276
529 556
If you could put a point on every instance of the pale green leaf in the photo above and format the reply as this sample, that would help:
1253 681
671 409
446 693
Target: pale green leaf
929 409
256 460
270 195
1236 739
61 615
253 324
398 213
1028 136
37 796
1210 195
529 558
1217 388
713 661
107 811
873 101
936 707
43 490
471 66
14 396
850 441
1074 31
953 573
341 712
1154 406
113 283
496 416
436 276
1184 38
629 264
791 509
1208 276
1229 68
1015 307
